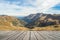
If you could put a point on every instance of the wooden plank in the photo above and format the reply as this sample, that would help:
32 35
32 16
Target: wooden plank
42 35
15 36
11 35
38 36
27 36
33 37
21 36
48 37
6 35
30 35
54 36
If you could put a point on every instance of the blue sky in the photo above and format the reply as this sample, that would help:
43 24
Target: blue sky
26 7
57 7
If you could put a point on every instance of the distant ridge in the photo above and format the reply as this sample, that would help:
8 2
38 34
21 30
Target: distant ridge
10 21
41 19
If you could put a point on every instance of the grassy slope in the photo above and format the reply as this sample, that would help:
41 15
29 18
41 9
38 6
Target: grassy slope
11 23
6 24
7 28
48 28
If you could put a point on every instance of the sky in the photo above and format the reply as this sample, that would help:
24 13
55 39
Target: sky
26 7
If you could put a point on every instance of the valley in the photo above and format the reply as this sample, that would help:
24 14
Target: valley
39 21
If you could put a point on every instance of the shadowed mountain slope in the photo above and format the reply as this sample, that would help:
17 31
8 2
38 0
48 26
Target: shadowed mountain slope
41 20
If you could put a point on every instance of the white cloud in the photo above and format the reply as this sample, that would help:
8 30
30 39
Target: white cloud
52 11
39 6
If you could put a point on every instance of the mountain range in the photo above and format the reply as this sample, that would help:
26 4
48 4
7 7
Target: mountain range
42 20
30 21
11 23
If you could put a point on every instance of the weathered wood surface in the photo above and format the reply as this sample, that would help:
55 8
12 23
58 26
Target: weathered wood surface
29 35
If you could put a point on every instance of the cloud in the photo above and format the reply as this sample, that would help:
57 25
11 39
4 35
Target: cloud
26 7
54 10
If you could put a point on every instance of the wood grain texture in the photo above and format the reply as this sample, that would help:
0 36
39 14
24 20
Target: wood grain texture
29 35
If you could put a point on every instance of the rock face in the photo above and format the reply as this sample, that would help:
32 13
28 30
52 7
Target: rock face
32 17
41 20
47 20
10 21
